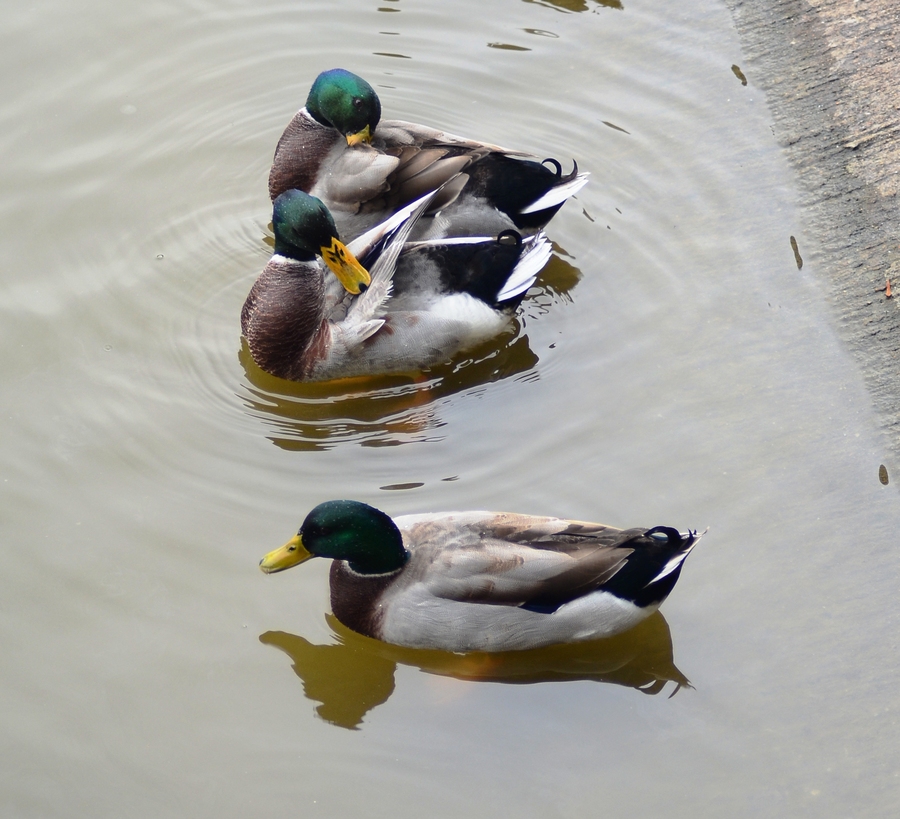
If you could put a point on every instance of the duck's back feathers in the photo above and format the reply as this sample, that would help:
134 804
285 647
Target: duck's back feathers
539 562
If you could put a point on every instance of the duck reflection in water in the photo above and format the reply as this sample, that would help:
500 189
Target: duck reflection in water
356 674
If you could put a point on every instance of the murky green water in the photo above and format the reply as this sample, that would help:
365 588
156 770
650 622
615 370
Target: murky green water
673 367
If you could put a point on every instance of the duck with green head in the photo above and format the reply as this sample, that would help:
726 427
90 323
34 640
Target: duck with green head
364 169
485 581
417 307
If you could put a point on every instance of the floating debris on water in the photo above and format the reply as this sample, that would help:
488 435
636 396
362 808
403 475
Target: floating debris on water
739 74
796 253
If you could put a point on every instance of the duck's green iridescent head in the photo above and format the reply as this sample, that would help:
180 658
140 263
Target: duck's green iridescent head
304 229
343 530
346 102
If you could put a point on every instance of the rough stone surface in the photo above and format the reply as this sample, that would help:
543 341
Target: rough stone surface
831 73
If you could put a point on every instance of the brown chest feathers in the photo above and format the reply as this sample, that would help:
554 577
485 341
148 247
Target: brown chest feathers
355 598
282 319
300 152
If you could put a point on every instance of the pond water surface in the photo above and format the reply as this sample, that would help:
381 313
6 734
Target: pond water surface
673 365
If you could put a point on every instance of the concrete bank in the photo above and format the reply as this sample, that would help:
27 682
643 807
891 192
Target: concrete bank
831 73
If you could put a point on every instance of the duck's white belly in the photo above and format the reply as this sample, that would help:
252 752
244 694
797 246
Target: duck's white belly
416 619
415 339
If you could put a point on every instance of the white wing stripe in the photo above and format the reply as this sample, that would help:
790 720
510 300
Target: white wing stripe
526 271
558 195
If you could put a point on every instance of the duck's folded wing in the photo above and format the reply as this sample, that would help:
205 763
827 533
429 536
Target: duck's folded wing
355 176
533 563
392 133
427 159
421 170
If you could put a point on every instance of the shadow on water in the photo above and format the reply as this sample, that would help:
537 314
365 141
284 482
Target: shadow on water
356 674
391 410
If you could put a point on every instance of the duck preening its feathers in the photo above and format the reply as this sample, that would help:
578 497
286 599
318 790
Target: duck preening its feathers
422 303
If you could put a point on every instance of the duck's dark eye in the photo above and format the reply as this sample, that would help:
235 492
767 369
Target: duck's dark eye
357 102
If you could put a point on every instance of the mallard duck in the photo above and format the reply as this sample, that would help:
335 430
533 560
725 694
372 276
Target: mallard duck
485 581
337 149
440 298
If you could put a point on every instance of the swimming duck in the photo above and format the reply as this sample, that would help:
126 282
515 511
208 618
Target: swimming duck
337 149
485 581
440 298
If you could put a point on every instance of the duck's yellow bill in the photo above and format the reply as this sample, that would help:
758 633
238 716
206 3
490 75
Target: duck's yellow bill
345 266
360 137
292 553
